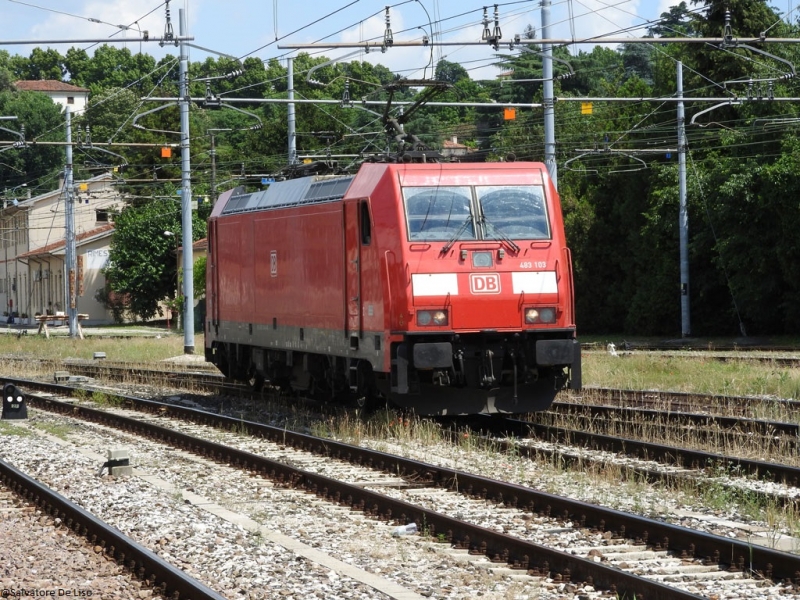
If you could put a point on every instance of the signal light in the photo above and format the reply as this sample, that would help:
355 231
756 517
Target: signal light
14 406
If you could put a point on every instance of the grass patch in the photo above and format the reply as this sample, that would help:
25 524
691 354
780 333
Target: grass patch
6 428
106 400
654 371
59 430
132 349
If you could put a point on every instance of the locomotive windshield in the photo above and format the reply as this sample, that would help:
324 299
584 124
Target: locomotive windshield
476 212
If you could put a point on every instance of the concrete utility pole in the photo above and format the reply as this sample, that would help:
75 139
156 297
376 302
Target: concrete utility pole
549 103
290 112
213 170
683 218
70 256
186 197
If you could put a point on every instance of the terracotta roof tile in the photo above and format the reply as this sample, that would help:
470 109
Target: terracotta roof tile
48 85
50 248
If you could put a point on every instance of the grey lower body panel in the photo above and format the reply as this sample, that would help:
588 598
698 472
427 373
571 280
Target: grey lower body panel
367 346
443 401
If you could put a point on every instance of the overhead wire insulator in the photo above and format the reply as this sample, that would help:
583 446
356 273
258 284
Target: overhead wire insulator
88 136
486 32
388 38
727 31
20 143
169 34
210 100
346 102
497 33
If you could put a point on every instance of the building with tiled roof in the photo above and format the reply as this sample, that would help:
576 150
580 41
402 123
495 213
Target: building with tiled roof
61 93
33 277
452 148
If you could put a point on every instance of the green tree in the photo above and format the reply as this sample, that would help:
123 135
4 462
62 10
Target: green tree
142 265
42 119
44 64
111 66
676 22
450 72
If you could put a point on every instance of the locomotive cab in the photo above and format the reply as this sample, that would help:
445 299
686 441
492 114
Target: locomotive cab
490 317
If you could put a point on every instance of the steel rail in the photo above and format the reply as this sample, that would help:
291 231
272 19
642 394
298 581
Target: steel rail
143 563
663 453
647 398
742 424
684 542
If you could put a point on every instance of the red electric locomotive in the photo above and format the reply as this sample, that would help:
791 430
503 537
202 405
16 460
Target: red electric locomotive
445 288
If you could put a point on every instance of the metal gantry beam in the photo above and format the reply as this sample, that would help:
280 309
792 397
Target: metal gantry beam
89 146
160 40
728 43
381 103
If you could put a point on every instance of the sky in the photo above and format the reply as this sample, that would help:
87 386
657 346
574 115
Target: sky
257 28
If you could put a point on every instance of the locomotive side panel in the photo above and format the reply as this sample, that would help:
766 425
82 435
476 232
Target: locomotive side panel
372 254
299 277
235 269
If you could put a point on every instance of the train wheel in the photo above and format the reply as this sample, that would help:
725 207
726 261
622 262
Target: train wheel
255 380
366 397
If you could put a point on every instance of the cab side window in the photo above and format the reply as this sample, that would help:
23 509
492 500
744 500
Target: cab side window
366 224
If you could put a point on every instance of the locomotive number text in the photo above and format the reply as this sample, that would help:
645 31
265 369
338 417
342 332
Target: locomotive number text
526 264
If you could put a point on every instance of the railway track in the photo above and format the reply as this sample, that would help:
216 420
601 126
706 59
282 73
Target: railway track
614 406
649 461
779 356
685 401
756 449
152 571
630 533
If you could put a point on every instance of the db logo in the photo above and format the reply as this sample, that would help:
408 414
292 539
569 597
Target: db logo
484 283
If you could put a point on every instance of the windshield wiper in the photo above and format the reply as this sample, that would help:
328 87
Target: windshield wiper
499 234
452 240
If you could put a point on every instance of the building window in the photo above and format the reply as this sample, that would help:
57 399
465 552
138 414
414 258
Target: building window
102 216
70 99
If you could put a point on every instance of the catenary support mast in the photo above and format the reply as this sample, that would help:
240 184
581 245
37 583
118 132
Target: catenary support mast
70 250
186 197
683 219
549 103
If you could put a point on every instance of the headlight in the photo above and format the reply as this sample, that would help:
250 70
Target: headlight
540 315
481 259
438 318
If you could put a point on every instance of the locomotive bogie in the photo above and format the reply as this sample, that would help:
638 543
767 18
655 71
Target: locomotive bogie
442 288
